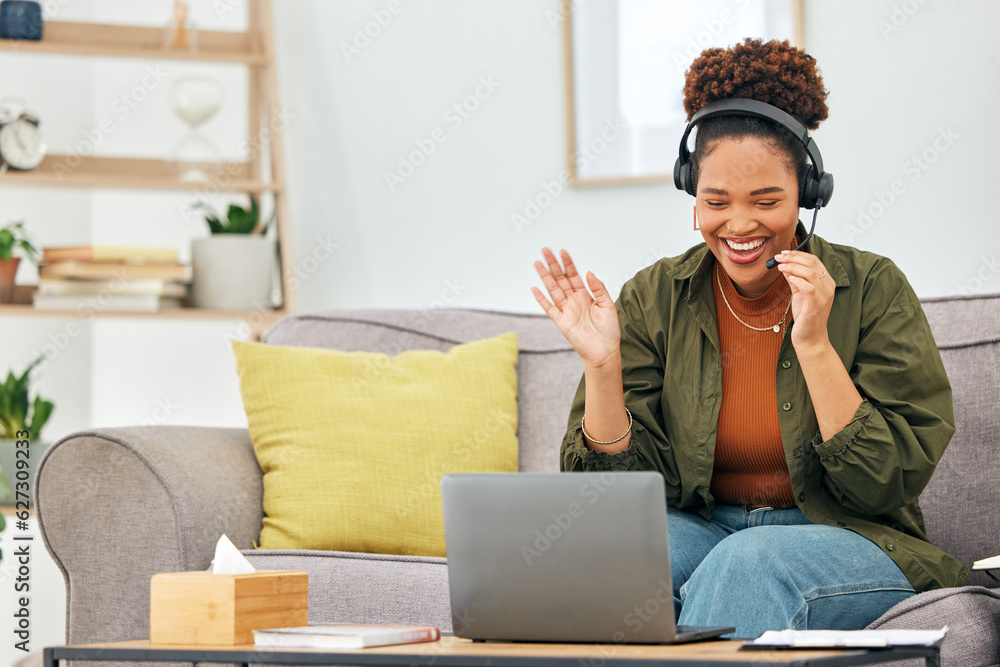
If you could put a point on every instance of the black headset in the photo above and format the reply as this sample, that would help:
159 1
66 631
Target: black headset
816 188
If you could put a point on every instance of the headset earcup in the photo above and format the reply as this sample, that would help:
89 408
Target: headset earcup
679 174
682 176
807 189
689 185
825 188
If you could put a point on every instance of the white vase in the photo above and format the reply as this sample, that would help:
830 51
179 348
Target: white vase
232 272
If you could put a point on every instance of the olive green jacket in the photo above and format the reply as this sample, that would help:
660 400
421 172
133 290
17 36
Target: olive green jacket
865 478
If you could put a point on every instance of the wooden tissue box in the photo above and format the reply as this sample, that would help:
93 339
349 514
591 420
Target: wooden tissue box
201 608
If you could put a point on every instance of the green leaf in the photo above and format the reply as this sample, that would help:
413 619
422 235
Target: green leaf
6 242
14 402
40 412
254 213
237 218
14 236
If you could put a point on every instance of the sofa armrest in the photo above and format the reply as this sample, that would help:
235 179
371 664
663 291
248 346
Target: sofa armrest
117 505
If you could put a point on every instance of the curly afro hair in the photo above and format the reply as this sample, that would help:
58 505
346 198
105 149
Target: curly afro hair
773 72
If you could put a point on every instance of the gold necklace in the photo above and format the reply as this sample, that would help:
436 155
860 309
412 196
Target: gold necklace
776 328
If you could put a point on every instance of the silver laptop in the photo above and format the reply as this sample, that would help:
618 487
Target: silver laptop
561 557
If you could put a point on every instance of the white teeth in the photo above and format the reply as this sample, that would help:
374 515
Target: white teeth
745 246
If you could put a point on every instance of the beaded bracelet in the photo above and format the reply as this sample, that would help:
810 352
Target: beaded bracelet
609 442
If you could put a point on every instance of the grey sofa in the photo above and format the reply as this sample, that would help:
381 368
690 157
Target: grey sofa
117 505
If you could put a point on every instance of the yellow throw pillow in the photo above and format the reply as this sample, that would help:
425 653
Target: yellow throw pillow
353 444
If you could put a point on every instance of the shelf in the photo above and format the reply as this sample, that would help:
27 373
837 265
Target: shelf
111 172
21 310
254 48
258 319
121 41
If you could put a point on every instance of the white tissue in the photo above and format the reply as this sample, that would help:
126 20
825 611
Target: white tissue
229 560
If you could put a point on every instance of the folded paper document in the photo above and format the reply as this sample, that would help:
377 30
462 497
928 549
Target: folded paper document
846 638
987 564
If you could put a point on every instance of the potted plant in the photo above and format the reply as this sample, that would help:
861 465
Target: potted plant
232 268
13 237
18 414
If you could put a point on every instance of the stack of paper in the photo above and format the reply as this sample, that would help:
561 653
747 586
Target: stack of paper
847 638
987 564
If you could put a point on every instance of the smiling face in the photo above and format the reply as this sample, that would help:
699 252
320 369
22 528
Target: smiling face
748 206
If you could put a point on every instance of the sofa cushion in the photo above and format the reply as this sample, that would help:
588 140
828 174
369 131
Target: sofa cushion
367 588
353 445
972 614
548 368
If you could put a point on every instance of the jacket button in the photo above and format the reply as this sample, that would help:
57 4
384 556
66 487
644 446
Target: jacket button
797 452
786 407
786 364
802 497
841 524
889 546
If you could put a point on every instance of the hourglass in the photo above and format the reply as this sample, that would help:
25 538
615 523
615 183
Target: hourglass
196 98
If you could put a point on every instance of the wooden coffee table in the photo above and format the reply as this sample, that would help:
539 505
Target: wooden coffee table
455 652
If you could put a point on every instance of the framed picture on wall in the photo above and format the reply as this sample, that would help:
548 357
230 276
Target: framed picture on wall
625 65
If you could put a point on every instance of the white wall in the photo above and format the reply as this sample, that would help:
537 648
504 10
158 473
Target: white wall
450 221
444 236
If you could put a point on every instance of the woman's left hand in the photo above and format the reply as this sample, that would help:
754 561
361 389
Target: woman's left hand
812 296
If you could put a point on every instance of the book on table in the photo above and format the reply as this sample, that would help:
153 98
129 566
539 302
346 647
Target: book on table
344 635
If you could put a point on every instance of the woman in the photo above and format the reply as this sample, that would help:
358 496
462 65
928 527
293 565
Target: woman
795 414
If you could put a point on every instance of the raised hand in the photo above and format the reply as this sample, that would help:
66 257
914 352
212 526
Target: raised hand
589 323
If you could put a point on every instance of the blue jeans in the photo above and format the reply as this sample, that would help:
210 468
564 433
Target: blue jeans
775 569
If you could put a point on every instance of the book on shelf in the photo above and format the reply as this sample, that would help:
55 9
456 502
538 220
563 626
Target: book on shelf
139 303
109 253
344 635
147 286
115 270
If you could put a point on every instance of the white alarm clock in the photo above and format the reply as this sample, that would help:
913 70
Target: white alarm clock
21 145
